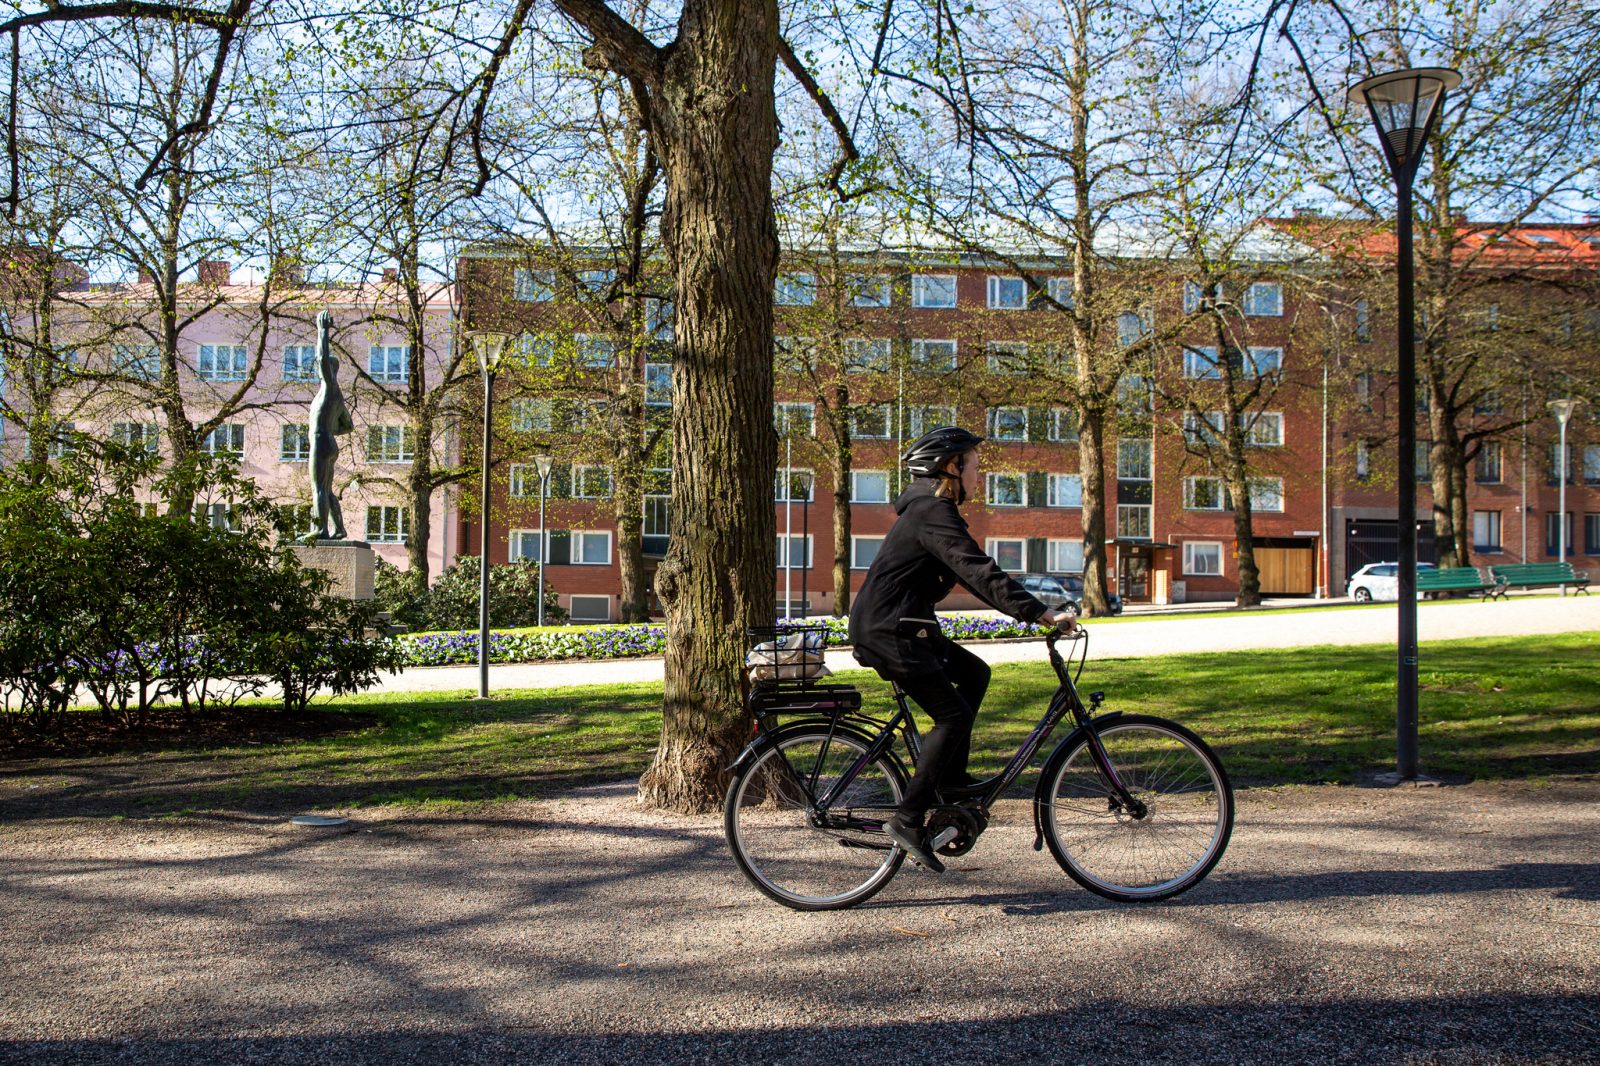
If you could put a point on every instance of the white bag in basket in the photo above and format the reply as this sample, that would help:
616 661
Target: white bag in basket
792 657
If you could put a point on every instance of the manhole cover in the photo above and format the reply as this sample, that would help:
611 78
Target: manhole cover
318 819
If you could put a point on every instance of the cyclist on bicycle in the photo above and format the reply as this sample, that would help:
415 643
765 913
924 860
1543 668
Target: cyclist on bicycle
892 624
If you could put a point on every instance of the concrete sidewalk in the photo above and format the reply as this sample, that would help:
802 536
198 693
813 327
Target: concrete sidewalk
1128 638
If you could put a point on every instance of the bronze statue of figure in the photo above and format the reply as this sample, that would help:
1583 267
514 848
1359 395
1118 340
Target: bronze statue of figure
330 419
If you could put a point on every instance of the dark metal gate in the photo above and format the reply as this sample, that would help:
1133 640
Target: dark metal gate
1377 540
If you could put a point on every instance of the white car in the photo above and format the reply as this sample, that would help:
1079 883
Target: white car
1377 581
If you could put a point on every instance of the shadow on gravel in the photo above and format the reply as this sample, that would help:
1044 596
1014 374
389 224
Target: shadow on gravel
1482 1029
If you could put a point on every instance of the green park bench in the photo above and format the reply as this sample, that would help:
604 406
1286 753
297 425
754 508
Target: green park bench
1459 579
1540 576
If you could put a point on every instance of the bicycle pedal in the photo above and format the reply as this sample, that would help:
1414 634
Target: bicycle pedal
946 835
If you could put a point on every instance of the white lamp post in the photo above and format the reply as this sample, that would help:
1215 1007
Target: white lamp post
489 346
1403 104
541 463
1562 409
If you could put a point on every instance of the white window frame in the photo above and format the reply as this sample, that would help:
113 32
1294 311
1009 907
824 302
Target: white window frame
1063 291
796 289
993 544
517 542
533 286
1212 423
793 473
594 351
221 362
380 363
1270 353
995 414
1055 564
1007 357
1273 485
925 293
1126 512
657 384
1254 424
1193 566
582 537
396 444
1011 477
1007 293
212 443
142 361
582 476
1059 416
807 539
1201 362
856 495
918 420
531 414
922 360
1363 460
382 535
884 411
1126 446
1263 299
300 362
575 613
1494 521
297 455
1058 490
1191 494
62 442
869 290
596 280
783 414
863 355
791 355
856 562
534 349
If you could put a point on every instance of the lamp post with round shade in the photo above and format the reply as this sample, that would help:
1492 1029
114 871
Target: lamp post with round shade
1562 409
541 463
489 346
1403 105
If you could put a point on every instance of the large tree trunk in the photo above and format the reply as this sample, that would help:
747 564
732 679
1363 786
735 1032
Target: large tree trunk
1447 458
718 127
841 530
627 490
419 482
1092 468
1243 531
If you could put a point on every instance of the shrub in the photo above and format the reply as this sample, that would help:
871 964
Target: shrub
452 602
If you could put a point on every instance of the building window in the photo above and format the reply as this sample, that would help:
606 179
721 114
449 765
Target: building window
654 534
658 384
658 318
226 439
1264 429
1130 327
1264 299
529 415
1135 396
1202 429
221 362
63 441
295 444
591 608
921 419
1363 322
863 550
1195 298
1064 490
1363 460
869 486
300 362
1008 357
391 444
1010 552
1007 294
139 361
221 516
1064 557
794 419
533 286
1424 460
1062 291
1560 463
799 551
1200 362
595 352
933 355
524 481
1266 494
1591 534
795 290
867 290
794 355
533 350
1553 531
1064 425
591 482
1008 424
1264 361
1204 494
933 290
1364 390
591 547
1134 459
1485 531
139 436
793 486
524 545
387 525
1202 558
1591 464
389 363
1133 521
862 354
1007 490
1486 470
871 422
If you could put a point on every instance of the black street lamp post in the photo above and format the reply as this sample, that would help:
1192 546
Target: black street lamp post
541 463
1403 104
490 346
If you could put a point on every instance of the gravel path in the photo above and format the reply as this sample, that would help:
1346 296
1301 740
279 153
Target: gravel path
1441 620
1344 926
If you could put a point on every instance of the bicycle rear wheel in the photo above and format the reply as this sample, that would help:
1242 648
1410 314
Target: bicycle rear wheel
1128 856
807 859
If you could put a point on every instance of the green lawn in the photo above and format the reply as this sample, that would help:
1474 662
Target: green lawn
1525 708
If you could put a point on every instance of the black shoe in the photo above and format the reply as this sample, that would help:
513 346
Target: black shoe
913 839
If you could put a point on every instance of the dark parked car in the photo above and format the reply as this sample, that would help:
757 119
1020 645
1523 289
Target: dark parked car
1058 589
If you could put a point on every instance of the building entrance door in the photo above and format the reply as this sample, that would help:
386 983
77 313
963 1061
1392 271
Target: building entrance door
1134 578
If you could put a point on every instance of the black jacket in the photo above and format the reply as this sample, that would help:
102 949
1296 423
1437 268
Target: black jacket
927 551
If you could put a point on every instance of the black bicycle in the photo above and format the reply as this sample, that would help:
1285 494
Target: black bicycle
1135 808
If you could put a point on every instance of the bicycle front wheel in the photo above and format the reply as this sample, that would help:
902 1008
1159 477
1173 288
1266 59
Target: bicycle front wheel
1170 841
803 857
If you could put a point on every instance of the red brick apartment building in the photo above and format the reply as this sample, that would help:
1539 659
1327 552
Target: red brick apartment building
932 340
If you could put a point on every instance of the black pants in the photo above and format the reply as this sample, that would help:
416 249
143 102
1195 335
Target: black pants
951 697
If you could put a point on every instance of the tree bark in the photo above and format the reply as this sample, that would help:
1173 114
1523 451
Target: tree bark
1243 525
1092 468
840 461
715 116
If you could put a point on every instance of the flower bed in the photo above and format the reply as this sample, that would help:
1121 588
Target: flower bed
640 641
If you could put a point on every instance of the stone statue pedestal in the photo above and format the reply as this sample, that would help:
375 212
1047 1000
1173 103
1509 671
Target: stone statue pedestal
348 562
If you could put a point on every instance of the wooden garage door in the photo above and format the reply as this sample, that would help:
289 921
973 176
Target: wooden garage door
1287 570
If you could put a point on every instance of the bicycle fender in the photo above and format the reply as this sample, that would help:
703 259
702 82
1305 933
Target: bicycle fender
762 740
770 737
1058 755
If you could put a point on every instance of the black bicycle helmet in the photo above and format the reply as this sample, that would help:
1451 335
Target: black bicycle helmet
930 452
